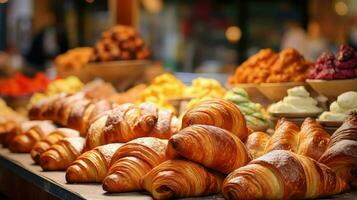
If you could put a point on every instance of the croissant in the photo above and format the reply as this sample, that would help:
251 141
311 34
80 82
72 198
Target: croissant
60 155
49 108
217 112
341 152
313 139
181 178
132 161
310 141
210 146
45 143
38 110
23 143
285 137
92 166
282 174
256 143
128 121
167 124
73 111
8 132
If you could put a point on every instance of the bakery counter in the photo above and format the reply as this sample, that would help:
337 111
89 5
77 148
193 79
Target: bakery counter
21 179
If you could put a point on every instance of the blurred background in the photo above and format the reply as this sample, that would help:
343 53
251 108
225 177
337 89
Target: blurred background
184 35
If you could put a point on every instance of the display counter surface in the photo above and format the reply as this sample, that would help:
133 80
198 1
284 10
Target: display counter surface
54 186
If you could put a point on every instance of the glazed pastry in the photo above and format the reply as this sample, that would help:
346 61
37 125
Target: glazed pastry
132 161
45 143
220 113
297 101
129 121
341 153
210 146
282 174
256 143
23 143
179 179
92 166
253 112
313 139
60 155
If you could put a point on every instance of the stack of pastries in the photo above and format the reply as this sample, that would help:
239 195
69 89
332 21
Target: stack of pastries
135 147
269 67
120 43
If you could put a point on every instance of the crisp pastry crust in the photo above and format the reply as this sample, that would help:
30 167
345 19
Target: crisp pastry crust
282 174
220 113
132 161
181 178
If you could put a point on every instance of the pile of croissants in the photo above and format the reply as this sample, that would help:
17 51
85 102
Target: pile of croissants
135 147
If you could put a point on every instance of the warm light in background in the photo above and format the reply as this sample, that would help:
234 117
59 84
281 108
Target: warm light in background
3 1
233 34
153 6
89 1
341 8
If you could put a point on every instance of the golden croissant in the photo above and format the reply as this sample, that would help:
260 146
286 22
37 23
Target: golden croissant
217 112
129 121
285 137
23 142
341 153
45 143
282 174
210 146
256 143
181 178
72 111
310 141
132 161
8 131
60 155
313 139
92 166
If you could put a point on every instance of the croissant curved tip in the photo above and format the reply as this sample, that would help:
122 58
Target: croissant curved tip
50 160
163 192
20 144
73 174
35 155
116 183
